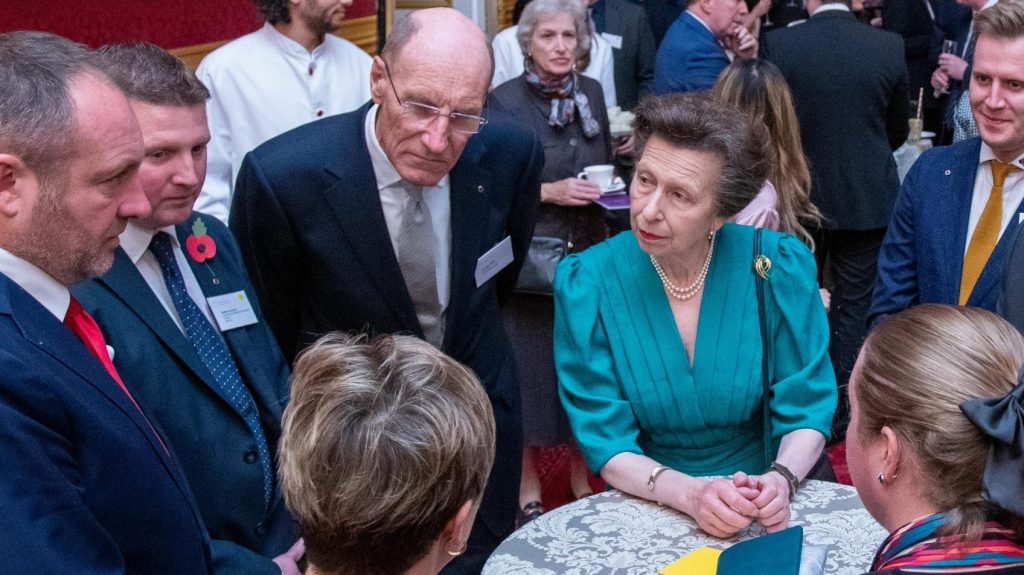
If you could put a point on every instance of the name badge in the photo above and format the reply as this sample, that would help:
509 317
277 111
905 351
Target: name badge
232 310
495 260
614 39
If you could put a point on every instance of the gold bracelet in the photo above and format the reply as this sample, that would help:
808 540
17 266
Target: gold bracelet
654 475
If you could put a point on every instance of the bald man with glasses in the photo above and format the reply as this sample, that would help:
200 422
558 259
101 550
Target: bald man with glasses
412 214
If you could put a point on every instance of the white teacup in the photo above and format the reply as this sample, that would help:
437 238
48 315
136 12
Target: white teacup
603 175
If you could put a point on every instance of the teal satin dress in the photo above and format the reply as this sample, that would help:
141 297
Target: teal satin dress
625 378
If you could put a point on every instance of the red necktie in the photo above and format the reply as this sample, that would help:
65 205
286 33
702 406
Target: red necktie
84 326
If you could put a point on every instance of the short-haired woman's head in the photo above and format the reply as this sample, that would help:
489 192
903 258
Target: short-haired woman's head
554 35
908 437
699 162
695 122
385 449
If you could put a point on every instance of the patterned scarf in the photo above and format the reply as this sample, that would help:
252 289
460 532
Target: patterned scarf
565 99
917 545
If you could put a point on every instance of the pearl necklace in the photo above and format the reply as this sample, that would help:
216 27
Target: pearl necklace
685 293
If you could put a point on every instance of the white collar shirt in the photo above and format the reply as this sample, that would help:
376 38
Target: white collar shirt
1013 192
50 293
264 84
135 241
833 6
393 199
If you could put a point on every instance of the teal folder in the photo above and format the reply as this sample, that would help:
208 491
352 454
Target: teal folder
772 554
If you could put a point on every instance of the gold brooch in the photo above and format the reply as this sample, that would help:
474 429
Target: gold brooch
762 265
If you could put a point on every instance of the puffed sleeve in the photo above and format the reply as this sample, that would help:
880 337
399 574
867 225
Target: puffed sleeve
601 418
804 394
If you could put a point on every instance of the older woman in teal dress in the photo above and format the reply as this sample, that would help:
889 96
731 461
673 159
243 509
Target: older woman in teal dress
657 339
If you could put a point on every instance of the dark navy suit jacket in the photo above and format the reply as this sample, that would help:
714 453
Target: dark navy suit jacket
689 58
922 257
308 217
86 486
211 439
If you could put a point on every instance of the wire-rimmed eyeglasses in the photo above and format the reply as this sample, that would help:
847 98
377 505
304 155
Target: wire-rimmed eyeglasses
466 123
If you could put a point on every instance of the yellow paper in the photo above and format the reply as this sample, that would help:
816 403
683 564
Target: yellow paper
702 561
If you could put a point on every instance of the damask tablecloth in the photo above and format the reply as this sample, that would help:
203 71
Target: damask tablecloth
613 533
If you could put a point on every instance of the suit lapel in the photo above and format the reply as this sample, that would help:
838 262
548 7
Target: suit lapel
613 18
355 203
50 336
959 186
470 190
216 278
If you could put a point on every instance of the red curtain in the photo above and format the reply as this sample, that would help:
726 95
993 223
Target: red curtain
167 23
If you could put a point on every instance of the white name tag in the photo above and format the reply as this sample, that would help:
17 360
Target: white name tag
614 39
495 260
232 310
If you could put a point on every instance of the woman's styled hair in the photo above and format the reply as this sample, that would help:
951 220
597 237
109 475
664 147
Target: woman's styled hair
537 9
917 367
695 121
758 88
382 443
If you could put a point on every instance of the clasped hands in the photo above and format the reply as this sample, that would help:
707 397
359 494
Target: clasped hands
722 507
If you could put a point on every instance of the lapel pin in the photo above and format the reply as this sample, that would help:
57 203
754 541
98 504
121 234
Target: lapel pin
480 189
948 172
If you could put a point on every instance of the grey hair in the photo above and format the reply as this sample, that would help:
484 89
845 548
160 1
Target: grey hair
147 73
274 11
382 443
695 121
537 8
37 110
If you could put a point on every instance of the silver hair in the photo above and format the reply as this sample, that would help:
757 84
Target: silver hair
536 9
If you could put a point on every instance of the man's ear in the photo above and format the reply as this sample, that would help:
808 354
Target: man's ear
16 181
378 81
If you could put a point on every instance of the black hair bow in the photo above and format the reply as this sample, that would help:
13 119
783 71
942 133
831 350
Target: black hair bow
1002 420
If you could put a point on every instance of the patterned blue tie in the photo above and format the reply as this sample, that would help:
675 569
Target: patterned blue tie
214 353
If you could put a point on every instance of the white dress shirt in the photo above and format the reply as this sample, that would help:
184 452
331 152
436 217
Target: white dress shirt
393 199
264 84
508 62
50 293
1013 192
135 241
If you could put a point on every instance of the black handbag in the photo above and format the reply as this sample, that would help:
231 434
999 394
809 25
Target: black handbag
822 469
538 273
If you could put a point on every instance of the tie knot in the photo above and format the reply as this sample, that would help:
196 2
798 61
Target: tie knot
1000 170
161 242
75 310
415 192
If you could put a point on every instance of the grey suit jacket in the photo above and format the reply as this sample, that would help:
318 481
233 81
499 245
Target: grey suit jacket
634 58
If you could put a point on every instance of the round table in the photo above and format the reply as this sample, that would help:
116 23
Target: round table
615 533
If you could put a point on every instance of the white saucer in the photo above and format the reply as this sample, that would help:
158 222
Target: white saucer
617 186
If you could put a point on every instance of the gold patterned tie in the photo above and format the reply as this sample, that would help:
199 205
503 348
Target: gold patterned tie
986 232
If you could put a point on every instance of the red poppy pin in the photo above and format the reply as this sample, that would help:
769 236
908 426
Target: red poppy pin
200 245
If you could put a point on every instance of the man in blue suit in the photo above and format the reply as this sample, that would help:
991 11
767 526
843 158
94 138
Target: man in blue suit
89 484
181 316
400 217
692 54
960 205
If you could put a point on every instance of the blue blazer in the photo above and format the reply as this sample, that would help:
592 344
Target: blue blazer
308 217
689 59
86 487
211 439
922 256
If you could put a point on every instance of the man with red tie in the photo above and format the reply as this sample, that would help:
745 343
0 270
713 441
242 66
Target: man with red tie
89 484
